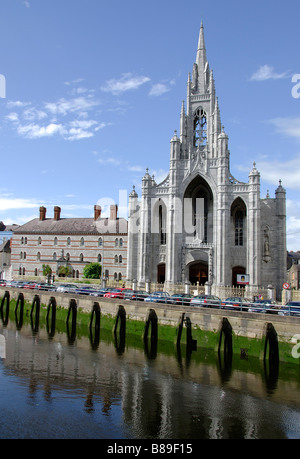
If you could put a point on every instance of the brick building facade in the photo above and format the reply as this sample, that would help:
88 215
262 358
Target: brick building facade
70 242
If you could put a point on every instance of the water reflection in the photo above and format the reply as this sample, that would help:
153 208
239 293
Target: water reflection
51 317
102 384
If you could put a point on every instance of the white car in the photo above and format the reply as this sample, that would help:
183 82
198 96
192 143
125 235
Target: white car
67 288
206 301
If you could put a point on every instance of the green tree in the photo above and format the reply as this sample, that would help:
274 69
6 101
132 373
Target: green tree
64 271
92 271
47 271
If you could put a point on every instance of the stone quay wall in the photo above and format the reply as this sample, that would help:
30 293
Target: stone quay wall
244 324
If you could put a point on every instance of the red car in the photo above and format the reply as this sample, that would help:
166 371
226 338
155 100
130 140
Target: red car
30 285
117 293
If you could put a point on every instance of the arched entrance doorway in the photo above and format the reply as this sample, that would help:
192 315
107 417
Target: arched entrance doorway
161 273
198 272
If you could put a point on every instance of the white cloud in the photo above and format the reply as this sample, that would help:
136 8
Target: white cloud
17 203
158 89
83 124
110 161
266 72
68 118
33 131
14 117
287 126
286 170
126 83
17 103
81 129
19 219
293 224
75 105
73 82
77 134
136 168
32 114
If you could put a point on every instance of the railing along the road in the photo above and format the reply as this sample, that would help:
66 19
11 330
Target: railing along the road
256 307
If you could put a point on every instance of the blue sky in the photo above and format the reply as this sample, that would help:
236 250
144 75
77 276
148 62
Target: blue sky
94 91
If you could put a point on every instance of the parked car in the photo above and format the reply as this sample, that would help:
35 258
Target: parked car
67 288
45 286
85 290
180 298
30 285
236 303
2 283
262 306
9 283
292 308
15 284
157 297
136 295
100 292
206 301
116 293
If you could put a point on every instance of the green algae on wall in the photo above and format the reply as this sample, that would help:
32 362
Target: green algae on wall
167 335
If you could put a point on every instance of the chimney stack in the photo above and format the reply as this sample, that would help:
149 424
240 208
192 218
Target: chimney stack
57 213
97 212
113 212
42 213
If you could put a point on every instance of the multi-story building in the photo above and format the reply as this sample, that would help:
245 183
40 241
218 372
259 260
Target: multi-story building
72 243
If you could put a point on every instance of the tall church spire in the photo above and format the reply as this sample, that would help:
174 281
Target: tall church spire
201 51
201 72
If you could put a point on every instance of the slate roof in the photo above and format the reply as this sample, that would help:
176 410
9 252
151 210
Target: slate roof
4 227
5 247
74 226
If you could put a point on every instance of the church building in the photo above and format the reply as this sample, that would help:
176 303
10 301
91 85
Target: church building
201 224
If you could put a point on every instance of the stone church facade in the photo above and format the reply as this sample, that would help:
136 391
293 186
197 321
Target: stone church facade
201 224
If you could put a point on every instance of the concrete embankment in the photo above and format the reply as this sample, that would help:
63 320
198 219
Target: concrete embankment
262 335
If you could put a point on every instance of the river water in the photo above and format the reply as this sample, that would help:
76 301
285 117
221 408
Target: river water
69 387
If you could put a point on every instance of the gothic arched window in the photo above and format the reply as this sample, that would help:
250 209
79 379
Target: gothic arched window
200 128
162 226
239 228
